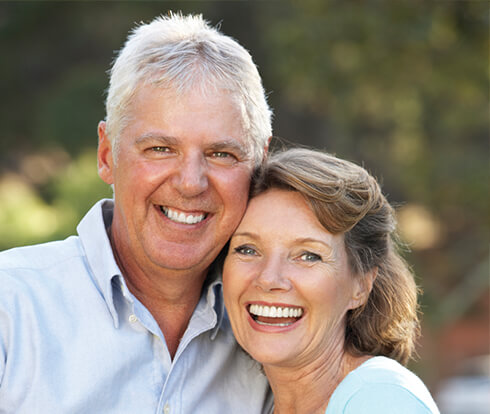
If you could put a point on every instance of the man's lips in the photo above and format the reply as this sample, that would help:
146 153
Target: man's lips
275 315
178 216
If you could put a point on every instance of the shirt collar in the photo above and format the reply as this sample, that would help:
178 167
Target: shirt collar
213 288
93 232
95 241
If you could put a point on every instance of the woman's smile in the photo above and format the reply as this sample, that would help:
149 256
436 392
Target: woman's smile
275 315
286 280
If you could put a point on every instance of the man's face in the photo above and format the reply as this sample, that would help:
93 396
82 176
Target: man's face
181 179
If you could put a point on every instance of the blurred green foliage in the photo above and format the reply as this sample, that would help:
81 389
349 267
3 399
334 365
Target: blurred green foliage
401 87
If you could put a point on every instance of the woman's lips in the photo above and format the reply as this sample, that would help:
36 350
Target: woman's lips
279 316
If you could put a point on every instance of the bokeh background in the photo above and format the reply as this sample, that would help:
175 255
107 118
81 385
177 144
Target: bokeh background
399 86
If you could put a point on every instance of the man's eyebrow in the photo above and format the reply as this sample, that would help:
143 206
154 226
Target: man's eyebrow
152 137
230 145
226 145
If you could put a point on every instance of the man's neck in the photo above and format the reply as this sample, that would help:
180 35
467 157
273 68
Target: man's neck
172 308
170 296
171 301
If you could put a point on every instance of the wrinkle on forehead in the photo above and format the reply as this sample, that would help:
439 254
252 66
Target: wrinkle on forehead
172 93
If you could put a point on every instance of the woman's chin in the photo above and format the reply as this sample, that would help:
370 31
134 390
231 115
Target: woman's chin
271 355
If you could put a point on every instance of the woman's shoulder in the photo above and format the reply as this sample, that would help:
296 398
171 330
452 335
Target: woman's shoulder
381 385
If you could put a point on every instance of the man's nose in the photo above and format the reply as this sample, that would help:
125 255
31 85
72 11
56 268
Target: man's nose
191 177
273 275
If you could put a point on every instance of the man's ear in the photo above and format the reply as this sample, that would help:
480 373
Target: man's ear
362 288
105 159
266 148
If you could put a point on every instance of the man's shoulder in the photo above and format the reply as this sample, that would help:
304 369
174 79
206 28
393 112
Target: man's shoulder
31 276
40 256
46 255
63 268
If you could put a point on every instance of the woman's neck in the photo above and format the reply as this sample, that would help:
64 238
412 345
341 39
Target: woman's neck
307 389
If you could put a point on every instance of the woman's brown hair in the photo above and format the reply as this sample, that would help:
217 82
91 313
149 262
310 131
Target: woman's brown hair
347 200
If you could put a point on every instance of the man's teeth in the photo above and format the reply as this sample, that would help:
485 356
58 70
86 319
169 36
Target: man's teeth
181 217
275 312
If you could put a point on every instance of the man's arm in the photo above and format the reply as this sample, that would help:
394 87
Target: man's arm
4 322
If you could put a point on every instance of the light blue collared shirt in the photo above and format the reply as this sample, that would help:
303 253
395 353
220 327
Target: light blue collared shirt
73 339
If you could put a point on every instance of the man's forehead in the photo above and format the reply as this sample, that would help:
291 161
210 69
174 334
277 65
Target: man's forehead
167 98
167 90
232 103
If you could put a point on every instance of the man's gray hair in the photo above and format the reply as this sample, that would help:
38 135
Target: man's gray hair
183 53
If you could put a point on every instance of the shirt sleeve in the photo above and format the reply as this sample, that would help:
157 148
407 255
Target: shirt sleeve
6 318
386 399
3 339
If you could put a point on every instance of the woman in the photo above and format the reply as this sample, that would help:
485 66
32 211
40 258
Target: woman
317 293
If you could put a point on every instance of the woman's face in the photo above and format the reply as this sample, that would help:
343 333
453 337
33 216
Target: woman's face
287 284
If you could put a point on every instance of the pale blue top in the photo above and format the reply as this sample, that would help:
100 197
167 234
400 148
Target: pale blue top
381 386
73 339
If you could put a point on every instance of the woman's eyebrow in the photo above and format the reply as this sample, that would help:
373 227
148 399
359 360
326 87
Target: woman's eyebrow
313 240
245 234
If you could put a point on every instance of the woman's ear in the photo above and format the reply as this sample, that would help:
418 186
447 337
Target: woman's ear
362 288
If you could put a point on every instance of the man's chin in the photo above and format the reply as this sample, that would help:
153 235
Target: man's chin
185 260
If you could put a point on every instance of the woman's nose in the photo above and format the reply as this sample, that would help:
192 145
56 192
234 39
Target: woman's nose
191 178
273 276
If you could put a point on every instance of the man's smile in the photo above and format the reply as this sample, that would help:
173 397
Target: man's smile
181 217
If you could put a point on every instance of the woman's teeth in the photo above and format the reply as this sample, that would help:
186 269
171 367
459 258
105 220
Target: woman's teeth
275 312
279 316
182 217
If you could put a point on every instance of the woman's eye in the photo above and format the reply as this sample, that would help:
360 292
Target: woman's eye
245 250
310 257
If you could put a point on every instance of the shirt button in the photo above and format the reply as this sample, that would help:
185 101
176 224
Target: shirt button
166 409
133 318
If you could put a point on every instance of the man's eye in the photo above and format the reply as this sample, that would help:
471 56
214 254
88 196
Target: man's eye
224 157
245 250
160 149
310 257
222 154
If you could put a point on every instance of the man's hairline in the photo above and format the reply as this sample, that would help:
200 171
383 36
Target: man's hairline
124 120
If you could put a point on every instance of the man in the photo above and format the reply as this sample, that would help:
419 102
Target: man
128 317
